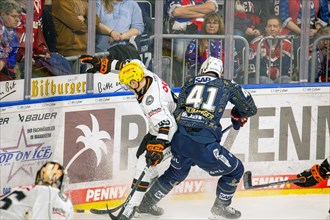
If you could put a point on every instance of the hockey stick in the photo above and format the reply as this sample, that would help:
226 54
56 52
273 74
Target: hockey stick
128 199
247 181
122 206
227 128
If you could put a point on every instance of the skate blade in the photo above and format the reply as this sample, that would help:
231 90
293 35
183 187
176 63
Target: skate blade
145 216
216 217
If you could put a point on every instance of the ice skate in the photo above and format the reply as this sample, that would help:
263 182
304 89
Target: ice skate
221 211
128 213
153 210
148 207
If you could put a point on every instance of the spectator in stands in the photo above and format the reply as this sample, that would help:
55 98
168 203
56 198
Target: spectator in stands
70 21
185 17
9 19
275 55
247 21
124 17
291 13
322 56
213 25
45 63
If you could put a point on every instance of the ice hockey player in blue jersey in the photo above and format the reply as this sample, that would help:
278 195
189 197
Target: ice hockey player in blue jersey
201 105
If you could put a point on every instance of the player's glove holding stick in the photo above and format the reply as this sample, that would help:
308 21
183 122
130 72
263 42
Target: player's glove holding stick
155 152
236 119
315 175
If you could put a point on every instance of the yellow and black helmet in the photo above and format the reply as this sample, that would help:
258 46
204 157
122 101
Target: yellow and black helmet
131 71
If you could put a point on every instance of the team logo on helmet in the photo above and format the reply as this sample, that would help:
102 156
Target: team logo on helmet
131 71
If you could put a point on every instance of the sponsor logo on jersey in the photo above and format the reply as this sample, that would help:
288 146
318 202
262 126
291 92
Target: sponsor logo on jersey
204 79
58 211
192 116
205 113
159 195
223 196
175 163
234 182
154 111
215 172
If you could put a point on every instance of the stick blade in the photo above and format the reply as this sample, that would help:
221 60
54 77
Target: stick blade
247 180
105 211
112 216
99 211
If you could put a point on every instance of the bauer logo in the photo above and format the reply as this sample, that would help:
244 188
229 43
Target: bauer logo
88 145
38 117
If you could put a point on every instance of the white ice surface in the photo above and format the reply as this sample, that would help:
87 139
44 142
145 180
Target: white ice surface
300 207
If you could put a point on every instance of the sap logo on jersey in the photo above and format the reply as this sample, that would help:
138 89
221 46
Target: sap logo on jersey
203 79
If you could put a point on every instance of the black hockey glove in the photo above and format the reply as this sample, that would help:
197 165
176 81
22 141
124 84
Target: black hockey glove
313 176
155 152
236 119
102 65
143 146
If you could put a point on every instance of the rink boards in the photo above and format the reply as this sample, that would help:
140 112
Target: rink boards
96 137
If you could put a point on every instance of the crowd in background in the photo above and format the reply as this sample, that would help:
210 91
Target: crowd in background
124 28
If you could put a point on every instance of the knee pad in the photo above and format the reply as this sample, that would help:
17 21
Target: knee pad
227 184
